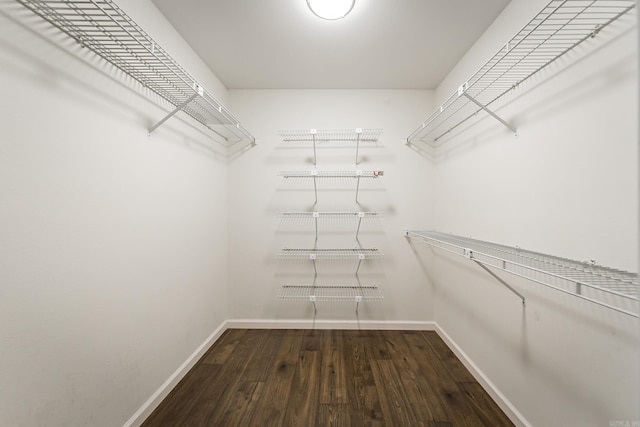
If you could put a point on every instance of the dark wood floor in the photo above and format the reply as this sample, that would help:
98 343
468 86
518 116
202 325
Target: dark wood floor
328 378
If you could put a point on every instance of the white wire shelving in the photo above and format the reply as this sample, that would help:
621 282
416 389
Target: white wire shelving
614 289
102 27
330 293
558 28
315 255
332 137
319 217
315 175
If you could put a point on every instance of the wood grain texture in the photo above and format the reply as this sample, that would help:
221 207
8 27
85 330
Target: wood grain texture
328 378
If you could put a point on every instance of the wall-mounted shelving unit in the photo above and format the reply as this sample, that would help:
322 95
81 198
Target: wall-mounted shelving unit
315 175
102 27
339 137
558 28
320 217
330 265
614 289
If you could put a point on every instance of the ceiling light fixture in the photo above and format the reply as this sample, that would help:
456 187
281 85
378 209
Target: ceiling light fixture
331 9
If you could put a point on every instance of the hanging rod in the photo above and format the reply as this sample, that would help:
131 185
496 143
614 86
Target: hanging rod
585 280
102 27
333 137
558 28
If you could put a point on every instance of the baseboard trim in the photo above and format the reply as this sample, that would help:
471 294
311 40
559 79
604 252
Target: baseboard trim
330 324
156 398
501 400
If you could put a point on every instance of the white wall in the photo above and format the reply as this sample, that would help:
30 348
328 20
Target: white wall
567 185
257 194
112 244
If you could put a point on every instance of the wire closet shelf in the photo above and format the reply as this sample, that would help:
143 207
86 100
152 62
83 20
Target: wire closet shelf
332 138
558 28
614 289
337 293
105 29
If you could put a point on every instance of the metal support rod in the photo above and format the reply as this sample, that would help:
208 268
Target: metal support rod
360 258
315 159
315 187
357 149
357 188
491 113
499 280
316 218
359 222
175 110
578 288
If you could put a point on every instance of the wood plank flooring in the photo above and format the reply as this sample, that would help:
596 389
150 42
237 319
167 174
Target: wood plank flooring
328 378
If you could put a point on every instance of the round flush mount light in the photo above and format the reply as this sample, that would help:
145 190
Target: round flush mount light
331 9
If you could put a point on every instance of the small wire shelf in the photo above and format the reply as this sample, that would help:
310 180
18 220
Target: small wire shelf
328 176
318 219
558 28
313 293
330 254
355 215
338 136
611 288
358 174
102 27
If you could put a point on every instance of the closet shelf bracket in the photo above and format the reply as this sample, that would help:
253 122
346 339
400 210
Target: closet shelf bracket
462 91
199 91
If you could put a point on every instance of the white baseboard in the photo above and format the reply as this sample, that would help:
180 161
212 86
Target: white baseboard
507 407
330 324
156 398
152 403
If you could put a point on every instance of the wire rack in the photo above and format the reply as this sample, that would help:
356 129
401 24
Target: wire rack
331 136
105 29
356 215
334 137
330 254
358 174
355 293
329 176
558 28
614 289
335 221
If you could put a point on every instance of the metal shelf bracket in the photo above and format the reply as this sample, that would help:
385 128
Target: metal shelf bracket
462 91
199 91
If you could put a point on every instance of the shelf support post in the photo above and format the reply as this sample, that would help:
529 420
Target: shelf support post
314 174
199 91
313 136
360 258
462 90
358 133
359 174
360 216
315 216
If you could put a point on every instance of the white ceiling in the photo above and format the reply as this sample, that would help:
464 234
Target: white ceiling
280 44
